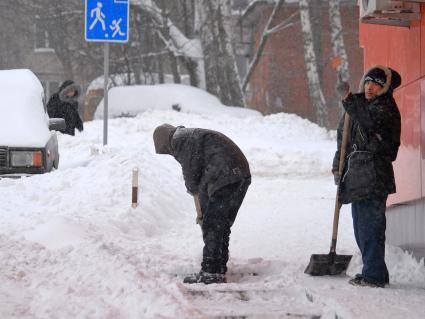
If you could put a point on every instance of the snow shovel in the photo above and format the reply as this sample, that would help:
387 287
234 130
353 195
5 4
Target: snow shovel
333 264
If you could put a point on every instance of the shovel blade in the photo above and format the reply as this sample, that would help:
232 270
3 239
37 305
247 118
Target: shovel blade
330 264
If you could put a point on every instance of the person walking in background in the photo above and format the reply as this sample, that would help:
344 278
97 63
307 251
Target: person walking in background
64 104
368 176
217 175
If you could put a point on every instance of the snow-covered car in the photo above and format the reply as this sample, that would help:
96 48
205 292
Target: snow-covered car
28 142
129 101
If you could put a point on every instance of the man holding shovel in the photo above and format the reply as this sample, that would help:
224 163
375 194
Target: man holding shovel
216 174
368 176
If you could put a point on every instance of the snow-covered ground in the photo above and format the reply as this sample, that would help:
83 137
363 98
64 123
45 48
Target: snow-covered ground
71 246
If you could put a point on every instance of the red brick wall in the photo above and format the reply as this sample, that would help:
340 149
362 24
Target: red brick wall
279 82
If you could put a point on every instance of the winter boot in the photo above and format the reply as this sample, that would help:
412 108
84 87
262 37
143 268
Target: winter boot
359 280
356 280
205 277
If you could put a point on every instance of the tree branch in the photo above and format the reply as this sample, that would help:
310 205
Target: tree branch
261 46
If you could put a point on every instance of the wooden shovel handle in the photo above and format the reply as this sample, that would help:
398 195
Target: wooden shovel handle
197 205
345 133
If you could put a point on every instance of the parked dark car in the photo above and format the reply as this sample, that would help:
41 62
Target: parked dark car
28 141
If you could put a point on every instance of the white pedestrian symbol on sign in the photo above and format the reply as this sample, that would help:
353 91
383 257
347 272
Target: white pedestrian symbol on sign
106 20
116 28
99 16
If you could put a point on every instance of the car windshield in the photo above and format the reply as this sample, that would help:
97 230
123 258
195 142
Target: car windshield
23 121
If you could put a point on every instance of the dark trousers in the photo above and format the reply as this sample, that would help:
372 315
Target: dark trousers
219 213
369 229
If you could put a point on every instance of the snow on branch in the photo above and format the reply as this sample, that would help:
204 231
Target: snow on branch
180 45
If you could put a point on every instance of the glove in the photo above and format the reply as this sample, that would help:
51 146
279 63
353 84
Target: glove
199 221
342 88
337 177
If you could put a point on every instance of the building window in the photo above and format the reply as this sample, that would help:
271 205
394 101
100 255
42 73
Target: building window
42 38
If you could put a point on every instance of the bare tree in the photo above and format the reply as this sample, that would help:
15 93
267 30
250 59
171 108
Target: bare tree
257 56
62 24
316 93
175 40
316 23
164 37
206 52
165 33
337 39
188 18
220 66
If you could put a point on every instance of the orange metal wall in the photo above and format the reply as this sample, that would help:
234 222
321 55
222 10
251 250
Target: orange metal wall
403 49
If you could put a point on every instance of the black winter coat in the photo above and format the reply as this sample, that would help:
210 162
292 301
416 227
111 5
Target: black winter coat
374 139
61 106
209 159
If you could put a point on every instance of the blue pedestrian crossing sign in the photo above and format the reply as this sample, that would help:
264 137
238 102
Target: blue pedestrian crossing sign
107 20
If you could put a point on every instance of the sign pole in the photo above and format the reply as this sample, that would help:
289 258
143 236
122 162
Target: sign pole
106 21
105 92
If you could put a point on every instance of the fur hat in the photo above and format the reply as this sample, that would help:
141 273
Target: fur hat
395 79
387 78
67 87
162 137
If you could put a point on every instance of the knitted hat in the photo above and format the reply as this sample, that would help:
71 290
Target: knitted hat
387 78
376 75
161 138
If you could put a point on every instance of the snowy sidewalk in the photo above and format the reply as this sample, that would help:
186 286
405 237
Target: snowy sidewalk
72 247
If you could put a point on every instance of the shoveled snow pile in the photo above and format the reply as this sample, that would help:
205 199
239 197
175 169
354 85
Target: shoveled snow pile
71 246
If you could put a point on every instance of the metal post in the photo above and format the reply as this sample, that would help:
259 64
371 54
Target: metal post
135 187
105 92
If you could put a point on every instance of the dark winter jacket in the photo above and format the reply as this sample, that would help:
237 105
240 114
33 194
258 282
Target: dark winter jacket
62 106
209 159
374 139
